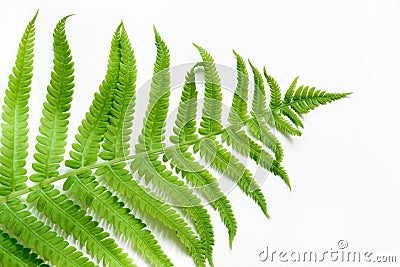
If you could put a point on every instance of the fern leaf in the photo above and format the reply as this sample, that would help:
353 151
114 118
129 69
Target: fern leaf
296 102
192 171
238 139
13 214
16 218
116 144
156 114
259 99
14 254
292 116
238 111
144 200
51 142
224 162
275 91
91 131
178 194
289 93
14 138
256 126
102 146
121 114
74 221
212 108
108 207
205 183
212 151
152 138
262 133
50 147
185 123
308 98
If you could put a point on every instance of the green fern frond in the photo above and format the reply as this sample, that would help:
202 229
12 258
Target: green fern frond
15 217
74 221
119 127
295 103
108 207
14 254
286 111
53 129
238 111
227 164
256 126
154 170
153 131
212 107
191 170
142 199
308 98
116 144
85 150
14 130
274 89
101 180
91 131
238 139
259 97
289 93
51 147
212 151
203 181
185 123
14 214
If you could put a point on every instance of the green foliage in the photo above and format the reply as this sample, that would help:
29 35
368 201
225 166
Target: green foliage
14 130
14 254
103 194
53 128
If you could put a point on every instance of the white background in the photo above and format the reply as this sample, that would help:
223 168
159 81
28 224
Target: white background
344 169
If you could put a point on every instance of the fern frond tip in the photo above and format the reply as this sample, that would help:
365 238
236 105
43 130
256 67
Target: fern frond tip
36 14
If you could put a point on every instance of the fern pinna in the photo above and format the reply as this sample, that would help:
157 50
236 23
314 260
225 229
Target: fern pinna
158 183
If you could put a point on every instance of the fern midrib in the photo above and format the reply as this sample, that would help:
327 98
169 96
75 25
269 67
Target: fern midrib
89 139
214 101
55 118
38 236
165 97
293 102
17 94
119 134
14 159
77 223
73 172
15 128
